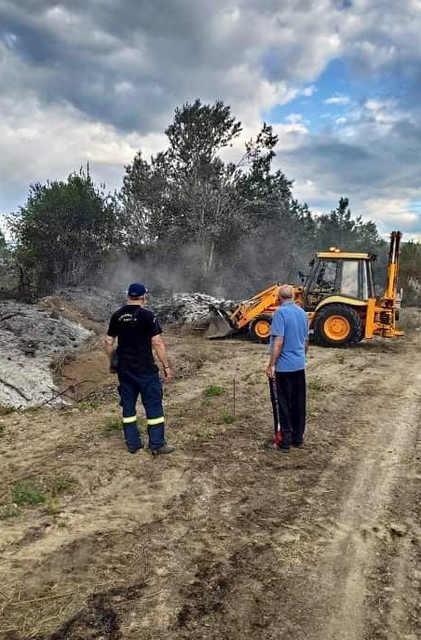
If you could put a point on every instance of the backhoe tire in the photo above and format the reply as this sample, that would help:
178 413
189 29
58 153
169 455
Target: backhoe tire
259 328
338 325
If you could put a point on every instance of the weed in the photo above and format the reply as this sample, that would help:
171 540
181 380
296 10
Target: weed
87 405
113 425
341 359
61 524
24 493
62 484
204 435
311 409
212 390
2 429
228 418
53 508
317 386
10 511
30 410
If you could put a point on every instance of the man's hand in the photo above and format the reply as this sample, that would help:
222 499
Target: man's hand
270 371
168 374
160 350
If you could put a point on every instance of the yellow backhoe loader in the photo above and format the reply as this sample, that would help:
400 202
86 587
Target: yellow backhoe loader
338 296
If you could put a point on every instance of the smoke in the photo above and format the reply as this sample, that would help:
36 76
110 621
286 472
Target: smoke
234 272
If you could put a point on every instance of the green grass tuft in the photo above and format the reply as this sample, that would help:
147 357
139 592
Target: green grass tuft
228 418
113 425
212 390
2 429
24 493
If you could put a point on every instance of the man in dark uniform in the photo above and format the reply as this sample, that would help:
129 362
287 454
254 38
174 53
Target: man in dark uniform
138 335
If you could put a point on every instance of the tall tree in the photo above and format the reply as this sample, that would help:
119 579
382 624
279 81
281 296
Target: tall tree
188 196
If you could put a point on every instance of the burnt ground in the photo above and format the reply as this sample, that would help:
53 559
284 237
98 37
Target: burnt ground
222 540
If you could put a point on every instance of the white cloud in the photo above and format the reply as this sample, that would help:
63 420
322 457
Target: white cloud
309 91
391 212
46 143
339 100
294 118
97 79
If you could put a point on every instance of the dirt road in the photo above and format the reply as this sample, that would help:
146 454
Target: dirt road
222 540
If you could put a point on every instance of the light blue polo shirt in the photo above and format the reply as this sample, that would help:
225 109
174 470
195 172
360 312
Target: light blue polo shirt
290 322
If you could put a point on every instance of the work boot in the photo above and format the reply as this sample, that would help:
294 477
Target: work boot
162 450
134 449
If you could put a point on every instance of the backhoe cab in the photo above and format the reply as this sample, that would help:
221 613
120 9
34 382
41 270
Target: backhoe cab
338 296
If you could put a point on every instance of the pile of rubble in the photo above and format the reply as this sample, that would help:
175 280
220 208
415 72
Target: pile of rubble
192 309
31 339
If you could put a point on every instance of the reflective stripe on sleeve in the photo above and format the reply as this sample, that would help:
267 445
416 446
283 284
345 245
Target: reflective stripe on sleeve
130 419
154 421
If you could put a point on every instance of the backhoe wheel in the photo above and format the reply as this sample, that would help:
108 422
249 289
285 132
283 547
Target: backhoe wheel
259 328
338 325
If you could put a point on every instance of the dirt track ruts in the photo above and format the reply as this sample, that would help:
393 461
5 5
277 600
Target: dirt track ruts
223 540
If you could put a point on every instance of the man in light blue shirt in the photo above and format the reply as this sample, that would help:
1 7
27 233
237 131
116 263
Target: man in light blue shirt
286 370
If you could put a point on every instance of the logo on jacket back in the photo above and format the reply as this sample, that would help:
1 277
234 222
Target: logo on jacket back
127 317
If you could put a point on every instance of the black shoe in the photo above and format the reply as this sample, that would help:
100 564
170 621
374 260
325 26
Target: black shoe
298 445
284 448
162 450
135 450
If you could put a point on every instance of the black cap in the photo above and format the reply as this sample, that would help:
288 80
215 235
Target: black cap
136 290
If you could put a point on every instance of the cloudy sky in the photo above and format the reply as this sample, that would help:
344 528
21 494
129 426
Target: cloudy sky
340 80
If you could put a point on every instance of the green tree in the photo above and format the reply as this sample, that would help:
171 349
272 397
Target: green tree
64 231
339 228
188 197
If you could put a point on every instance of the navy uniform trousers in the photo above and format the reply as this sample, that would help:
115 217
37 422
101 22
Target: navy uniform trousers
149 387
291 405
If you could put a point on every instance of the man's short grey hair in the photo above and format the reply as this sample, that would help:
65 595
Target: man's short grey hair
286 292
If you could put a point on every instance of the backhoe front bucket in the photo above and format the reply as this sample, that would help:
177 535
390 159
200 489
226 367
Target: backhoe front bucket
219 327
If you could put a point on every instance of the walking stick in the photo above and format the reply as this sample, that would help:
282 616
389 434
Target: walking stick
278 434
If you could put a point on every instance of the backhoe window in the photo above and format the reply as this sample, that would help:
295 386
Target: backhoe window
350 278
326 277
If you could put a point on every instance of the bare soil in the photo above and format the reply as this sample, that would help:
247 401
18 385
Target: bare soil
223 539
